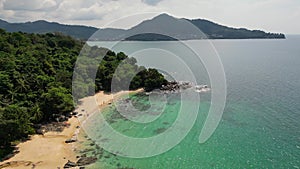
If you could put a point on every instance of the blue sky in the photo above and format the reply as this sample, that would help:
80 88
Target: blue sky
269 15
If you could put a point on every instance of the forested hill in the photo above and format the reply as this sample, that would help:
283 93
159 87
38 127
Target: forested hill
216 31
36 80
186 29
42 27
148 30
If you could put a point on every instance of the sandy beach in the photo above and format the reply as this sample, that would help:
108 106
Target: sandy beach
50 150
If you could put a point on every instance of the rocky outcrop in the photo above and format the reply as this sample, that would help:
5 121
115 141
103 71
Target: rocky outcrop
53 126
71 140
83 161
176 86
70 164
86 161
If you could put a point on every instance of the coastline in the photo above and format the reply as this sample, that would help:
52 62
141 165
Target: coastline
50 150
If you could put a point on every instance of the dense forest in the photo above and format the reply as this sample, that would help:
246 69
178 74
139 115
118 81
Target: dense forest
36 79
216 31
40 27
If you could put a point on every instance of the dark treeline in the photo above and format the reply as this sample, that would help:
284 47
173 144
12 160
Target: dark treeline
161 22
36 80
216 31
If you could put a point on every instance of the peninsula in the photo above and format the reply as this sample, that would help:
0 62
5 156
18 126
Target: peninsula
176 27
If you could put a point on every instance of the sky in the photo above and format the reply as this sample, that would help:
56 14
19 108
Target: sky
281 16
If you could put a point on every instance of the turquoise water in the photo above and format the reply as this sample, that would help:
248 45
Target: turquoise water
260 125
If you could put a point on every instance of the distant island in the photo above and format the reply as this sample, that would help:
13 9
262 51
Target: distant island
176 29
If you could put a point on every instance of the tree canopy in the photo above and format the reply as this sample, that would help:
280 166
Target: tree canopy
36 79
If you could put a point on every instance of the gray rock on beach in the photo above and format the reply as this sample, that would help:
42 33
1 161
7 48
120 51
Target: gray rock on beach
86 161
70 164
72 140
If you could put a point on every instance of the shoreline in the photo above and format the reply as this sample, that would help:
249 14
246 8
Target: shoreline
50 150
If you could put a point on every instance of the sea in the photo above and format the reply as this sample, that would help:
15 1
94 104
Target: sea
260 123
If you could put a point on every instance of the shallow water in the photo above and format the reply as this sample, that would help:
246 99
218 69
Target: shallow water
260 126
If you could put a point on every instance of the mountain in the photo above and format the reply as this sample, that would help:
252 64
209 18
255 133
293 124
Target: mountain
165 27
79 32
162 27
216 31
185 29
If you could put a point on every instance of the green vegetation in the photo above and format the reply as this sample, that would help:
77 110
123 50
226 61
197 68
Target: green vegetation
210 29
40 27
150 37
216 31
115 72
36 79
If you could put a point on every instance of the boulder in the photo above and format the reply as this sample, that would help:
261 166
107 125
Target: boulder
86 161
70 164
70 140
40 131
62 118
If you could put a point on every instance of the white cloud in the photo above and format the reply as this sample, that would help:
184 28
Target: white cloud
100 12
151 2
88 11
28 4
